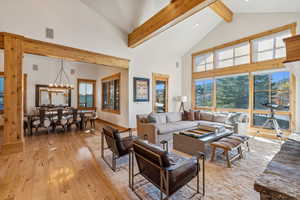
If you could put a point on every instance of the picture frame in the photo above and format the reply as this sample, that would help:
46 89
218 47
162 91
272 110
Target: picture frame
141 89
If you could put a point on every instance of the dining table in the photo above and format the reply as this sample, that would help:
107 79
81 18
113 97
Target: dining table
30 117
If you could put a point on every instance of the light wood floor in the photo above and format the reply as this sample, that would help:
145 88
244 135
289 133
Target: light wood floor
54 167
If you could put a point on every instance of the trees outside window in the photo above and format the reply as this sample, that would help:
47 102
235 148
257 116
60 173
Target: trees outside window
86 94
233 92
204 90
272 88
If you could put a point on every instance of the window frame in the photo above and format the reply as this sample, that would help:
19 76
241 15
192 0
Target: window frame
2 76
113 77
290 27
206 63
24 94
274 64
234 56
90 81
274 48
212 93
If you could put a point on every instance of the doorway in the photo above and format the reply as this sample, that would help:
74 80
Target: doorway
160 88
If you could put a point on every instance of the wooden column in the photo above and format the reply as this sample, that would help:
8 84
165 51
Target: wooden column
13 140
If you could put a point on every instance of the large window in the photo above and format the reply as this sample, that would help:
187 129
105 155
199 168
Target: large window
250 50
111 93
86 94
245 74
272 88
233 92
203 93
260 119
1 93
270 47
203 62
231 56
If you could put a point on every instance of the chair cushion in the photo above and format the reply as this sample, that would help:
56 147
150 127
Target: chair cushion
175 126
184 170
174 116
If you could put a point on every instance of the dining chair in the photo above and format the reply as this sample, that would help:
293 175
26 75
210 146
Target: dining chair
41 121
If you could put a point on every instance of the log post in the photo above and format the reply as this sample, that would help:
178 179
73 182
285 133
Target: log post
13 139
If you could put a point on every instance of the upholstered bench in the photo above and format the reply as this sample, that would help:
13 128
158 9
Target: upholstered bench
242 138
227 145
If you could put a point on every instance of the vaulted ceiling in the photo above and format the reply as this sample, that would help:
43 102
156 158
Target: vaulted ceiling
129 14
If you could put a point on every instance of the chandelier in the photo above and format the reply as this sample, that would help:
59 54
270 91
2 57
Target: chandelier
62 80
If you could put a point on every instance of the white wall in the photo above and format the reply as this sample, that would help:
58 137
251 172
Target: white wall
122 118
78 26
243 25
48 69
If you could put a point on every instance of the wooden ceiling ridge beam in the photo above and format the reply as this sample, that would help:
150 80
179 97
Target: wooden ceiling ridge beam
175 12
42 48
222 10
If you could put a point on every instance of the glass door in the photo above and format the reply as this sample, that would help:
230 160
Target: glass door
160 93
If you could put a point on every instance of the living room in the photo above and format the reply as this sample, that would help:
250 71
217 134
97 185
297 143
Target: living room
206 79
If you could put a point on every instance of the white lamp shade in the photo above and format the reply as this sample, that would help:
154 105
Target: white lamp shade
183 99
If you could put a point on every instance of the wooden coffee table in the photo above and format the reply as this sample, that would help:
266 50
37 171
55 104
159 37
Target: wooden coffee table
184 142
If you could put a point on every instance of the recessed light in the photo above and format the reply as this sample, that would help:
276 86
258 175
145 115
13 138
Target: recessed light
196 25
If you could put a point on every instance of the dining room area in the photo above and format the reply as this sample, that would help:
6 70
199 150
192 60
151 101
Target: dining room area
63 90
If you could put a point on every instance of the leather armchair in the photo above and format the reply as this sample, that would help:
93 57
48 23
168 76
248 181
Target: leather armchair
167 171
116 144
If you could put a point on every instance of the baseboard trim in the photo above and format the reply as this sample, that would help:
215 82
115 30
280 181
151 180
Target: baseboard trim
111 124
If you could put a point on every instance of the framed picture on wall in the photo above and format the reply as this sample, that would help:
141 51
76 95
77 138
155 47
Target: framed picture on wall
141 89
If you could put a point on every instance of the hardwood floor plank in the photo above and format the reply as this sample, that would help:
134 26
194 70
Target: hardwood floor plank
54 167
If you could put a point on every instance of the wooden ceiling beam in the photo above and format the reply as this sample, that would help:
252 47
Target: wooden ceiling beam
41 48
172 14
222 10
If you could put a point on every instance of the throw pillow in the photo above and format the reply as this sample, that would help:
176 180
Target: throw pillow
197 115
189 115
151 118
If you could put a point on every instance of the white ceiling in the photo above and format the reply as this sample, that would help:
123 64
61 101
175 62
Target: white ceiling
263 6
126 14
129 14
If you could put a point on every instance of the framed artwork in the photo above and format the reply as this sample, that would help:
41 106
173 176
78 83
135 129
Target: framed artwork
141 89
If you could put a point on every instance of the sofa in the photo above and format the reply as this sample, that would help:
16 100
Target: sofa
157 127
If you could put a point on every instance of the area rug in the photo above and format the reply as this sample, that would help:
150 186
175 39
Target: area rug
222 183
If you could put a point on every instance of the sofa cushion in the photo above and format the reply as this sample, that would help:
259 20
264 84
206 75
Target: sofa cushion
213 124
160 118
220 118
175 126
174 116
206 116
